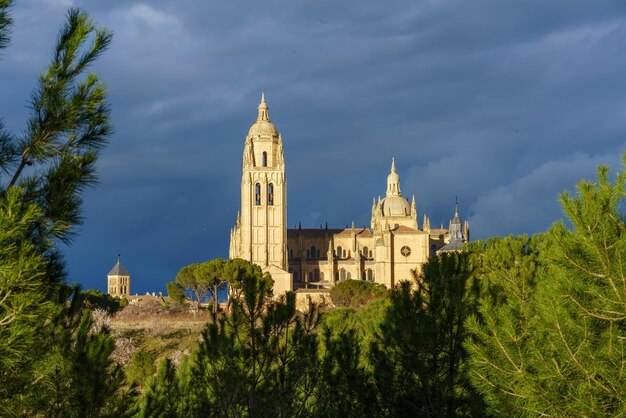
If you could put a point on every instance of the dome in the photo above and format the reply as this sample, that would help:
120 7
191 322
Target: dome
263 126
395 205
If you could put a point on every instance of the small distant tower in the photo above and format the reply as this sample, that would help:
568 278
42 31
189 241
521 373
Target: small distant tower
119 280
459 232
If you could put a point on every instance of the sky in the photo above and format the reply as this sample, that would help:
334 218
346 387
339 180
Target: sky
504 104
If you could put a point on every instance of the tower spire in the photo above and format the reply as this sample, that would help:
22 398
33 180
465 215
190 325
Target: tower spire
393 181
263 114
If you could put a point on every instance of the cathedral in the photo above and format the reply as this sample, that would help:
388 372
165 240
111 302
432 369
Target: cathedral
386 252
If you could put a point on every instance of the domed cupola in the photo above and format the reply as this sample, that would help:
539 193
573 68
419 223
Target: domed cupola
394 204
263 127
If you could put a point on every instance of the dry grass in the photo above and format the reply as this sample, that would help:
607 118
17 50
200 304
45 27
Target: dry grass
164 329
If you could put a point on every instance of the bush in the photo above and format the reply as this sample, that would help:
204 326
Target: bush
357 293
141 367
95 299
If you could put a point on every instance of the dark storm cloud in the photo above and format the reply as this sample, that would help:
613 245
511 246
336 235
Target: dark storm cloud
503 104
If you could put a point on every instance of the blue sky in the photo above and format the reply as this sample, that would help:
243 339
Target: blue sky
503 104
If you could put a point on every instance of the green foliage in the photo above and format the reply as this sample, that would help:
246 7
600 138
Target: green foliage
172 393
71 373
236 271
356 293
202 279
583 306
345 387
364 323
54 361
549 339
95 299
69 124
23 289
256 360
504 331
5 22
140 367
419 358
176 292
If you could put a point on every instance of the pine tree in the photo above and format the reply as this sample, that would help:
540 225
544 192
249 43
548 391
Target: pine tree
257 359
419 359
583 301
53 364
503 333
549 339
344 387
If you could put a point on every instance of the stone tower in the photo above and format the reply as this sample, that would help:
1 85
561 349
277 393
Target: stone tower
459 232
118 280
260 232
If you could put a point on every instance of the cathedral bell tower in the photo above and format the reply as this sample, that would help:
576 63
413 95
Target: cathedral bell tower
260 232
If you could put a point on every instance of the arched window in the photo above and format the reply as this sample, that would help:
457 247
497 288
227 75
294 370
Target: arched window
313 251
339 252
365 252
348 276
264 160
370 253
310 276
342 274
370 275
344 254
257 194
270 194
316 275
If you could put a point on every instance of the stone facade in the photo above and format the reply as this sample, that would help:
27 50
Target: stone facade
260 233
118 280
387 252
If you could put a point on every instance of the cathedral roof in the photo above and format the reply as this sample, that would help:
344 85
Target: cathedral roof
403 229
317 232
395 205
362 232
118 270
454 245
263 126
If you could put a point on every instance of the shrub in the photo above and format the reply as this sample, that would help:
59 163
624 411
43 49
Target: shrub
357 293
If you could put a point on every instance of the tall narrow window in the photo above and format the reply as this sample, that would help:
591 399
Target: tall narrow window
339 252
270 194
313 251
365 252
264 159
257 194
